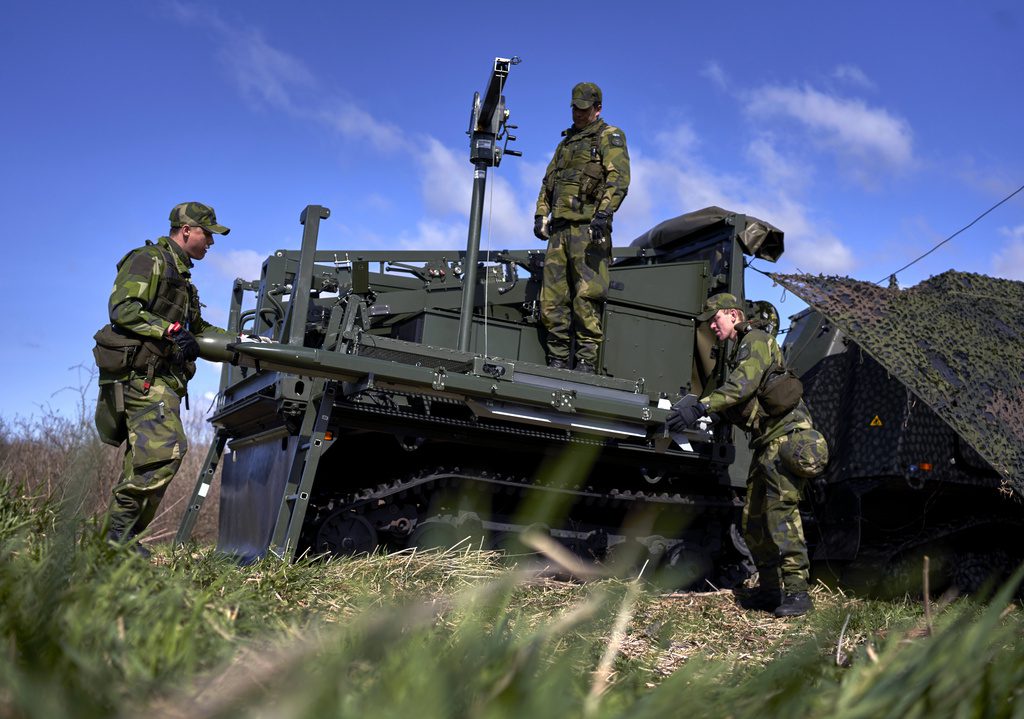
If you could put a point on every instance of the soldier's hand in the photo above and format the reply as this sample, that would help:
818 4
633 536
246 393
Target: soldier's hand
540 227
685 413
184 342
601 225
258 339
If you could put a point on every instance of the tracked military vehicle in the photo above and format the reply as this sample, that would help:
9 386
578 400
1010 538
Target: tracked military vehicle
401 398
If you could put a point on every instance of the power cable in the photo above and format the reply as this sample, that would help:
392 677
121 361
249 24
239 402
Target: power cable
892 276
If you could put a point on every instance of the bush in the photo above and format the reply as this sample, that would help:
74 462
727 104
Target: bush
37 453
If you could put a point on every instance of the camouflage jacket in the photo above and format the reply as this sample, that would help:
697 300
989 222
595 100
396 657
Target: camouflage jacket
754 355
588 173
154 289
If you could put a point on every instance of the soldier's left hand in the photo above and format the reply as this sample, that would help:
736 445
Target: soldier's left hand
601 225
685 413
185 343
540 227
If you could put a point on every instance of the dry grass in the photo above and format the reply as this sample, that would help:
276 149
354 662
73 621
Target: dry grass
36 453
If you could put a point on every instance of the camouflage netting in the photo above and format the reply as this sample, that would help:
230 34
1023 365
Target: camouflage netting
956 341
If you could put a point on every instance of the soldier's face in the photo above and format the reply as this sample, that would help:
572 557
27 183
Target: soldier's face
723 324
582 118
197 241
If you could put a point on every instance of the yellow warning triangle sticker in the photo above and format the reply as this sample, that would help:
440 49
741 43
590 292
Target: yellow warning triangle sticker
876 422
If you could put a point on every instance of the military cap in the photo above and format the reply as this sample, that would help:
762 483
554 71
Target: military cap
721 301
196 214
586 95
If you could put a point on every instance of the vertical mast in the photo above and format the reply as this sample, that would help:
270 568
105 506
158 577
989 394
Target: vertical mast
486 128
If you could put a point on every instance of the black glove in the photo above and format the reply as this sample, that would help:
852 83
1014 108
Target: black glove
185 343
601 225
685 413
540 227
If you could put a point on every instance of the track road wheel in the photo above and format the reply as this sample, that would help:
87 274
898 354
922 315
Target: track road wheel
684 568
435 533
345 534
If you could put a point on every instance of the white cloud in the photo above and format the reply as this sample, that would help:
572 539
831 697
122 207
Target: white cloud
261 71
244 264
446 180
714 72
809 248
661 189
679 141
267 75
853 75
847 126
776 168
435 235
447 185
1008 261
355 123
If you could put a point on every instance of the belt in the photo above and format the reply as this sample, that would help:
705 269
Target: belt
559 225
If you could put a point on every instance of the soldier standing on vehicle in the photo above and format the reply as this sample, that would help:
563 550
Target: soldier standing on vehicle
146 356
763 398
584 185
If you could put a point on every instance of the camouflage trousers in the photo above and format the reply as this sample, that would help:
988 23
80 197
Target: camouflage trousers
155 444
574 290
771 521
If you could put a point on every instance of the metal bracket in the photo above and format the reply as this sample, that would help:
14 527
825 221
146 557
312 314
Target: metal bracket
562 400
498 369
440 374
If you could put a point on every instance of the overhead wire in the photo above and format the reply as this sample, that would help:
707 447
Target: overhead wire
968 225
490 217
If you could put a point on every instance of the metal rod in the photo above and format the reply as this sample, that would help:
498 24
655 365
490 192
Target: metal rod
472 254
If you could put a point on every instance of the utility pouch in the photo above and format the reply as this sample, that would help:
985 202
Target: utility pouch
115 352
780 391
591 179
111 422
118 353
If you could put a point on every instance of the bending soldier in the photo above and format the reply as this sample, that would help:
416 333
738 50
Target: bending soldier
584 185
763 398
146 356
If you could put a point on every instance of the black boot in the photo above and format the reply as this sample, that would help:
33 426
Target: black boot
795 605
765 599
585 367
129 539
558 363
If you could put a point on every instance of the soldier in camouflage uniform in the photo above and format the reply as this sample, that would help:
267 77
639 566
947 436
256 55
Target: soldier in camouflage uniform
584 184
146 356
787 452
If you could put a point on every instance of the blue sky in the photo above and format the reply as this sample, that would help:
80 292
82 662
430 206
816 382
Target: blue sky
867 131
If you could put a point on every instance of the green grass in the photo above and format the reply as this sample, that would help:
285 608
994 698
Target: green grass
93 631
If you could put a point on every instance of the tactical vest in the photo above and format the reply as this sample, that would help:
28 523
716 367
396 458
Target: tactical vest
576 184
778 393
118 352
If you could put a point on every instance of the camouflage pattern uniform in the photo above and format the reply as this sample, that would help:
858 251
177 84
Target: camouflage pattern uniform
588 173
141 405
787 451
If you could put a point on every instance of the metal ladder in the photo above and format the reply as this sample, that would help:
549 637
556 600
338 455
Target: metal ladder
295 498
202 488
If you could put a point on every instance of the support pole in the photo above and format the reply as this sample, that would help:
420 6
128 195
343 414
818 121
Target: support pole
472 261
